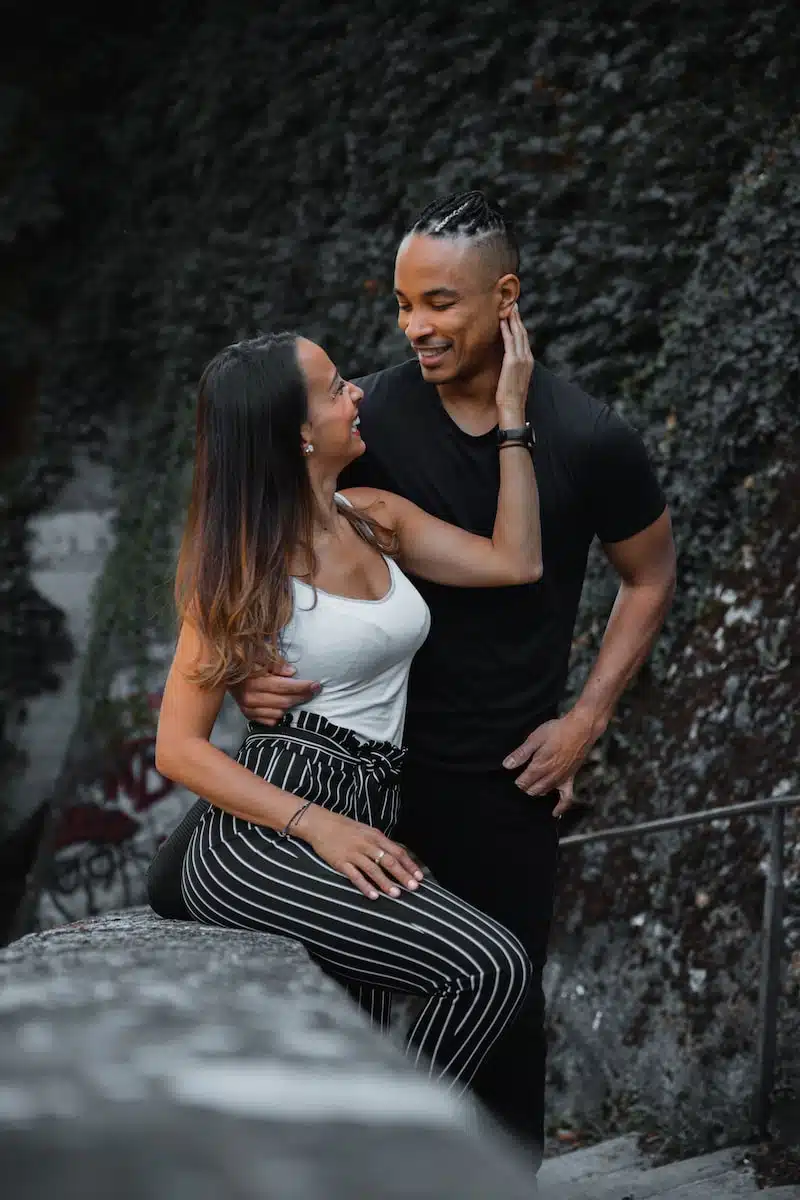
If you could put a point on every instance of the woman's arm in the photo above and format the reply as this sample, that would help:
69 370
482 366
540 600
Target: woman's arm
184 753
443 553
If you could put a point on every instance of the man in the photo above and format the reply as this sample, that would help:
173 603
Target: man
490 763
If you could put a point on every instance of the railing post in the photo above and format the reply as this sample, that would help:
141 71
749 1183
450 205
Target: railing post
770 980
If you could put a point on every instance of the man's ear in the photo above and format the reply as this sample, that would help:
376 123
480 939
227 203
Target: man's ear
507 292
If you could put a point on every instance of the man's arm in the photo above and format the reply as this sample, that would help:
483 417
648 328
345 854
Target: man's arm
647 569
646 566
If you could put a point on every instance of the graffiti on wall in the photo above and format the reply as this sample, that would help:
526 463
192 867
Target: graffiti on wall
111 831
109 835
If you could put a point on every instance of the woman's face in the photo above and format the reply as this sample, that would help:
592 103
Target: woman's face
332 409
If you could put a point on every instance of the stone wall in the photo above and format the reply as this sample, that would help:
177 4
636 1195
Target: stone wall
146 1058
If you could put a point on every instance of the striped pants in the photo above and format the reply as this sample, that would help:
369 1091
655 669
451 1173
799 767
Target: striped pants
428 943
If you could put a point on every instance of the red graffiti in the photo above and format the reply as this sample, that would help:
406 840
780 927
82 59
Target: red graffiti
135 775
104 850
94 823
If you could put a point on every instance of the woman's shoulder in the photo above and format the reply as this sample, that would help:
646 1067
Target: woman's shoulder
375 503
373 515
359 497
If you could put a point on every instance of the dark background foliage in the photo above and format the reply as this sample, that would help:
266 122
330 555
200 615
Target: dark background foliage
184 177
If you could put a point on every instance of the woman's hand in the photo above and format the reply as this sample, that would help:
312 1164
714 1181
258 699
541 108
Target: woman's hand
366 856
515 375
443 553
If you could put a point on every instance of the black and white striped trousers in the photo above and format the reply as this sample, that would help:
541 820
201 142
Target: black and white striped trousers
427 943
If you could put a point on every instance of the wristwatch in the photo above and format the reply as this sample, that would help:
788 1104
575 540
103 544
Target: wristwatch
522 436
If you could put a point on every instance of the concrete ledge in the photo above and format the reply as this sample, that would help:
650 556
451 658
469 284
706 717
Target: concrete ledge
149 1058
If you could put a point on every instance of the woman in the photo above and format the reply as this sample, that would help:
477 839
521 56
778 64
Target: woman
277 566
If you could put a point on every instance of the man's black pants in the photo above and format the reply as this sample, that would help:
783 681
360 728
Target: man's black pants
497 848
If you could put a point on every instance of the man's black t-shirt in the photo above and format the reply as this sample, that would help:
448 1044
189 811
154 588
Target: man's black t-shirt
495 663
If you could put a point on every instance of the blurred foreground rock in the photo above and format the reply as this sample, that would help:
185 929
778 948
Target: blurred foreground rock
154 1060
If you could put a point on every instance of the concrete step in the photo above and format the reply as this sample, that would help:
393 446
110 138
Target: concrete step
616 1170
730 1185
618 1154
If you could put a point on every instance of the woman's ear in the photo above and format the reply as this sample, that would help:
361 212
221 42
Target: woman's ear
306 439
507 291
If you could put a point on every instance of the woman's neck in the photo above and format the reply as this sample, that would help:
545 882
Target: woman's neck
325 525
323 488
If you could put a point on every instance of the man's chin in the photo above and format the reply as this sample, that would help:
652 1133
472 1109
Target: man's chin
438 374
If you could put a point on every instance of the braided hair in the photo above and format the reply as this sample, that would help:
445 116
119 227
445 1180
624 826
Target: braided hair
470 215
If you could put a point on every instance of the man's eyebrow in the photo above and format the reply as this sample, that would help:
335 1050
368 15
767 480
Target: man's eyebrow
447 292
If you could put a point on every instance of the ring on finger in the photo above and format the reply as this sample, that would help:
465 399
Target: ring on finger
381 854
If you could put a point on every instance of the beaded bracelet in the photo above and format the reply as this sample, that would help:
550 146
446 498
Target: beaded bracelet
282 833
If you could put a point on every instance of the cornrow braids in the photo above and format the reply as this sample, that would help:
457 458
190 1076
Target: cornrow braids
470 215
464 214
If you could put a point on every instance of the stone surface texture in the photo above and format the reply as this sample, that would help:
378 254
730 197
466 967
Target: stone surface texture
161 1060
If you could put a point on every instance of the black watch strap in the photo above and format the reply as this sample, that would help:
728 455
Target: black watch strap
523 435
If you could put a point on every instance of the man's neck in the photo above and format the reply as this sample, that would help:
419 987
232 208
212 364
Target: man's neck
471 403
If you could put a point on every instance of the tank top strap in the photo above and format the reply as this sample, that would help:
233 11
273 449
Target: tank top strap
363 527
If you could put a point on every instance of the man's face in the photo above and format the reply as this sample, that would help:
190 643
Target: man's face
450 306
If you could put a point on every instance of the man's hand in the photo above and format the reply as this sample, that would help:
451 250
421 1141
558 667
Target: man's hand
554 752
566 797
267 696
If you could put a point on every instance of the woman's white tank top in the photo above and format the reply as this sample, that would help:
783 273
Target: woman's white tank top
360 651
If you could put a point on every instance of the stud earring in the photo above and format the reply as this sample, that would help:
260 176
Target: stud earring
308 448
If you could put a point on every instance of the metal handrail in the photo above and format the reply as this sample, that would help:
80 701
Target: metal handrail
772 921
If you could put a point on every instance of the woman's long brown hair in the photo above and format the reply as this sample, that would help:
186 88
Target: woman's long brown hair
251 508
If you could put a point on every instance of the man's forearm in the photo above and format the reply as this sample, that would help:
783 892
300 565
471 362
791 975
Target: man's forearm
636 619
555 750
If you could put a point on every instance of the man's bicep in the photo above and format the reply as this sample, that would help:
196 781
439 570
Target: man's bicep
646 557
624 494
